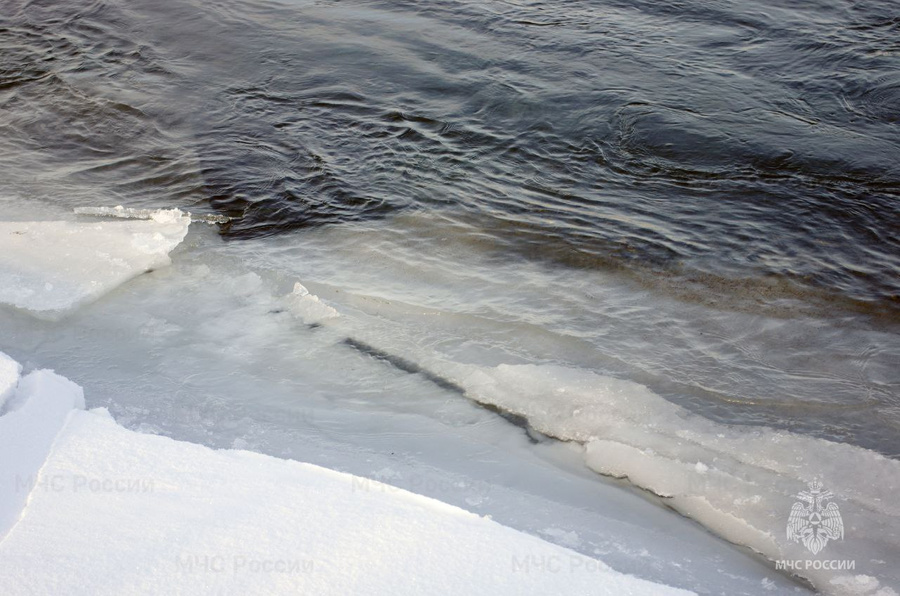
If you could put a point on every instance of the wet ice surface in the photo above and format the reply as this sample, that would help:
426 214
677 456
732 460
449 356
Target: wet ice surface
371 361
209 351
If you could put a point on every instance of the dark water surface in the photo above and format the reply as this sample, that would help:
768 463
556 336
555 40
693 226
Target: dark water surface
725 151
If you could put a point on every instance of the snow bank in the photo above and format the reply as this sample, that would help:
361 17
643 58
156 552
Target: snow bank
52 267
115 512
741 482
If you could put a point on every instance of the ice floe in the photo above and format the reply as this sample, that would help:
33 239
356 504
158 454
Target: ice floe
9 377
52 267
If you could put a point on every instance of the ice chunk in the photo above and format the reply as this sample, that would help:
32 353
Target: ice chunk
179 517
307 307
9 377
51 267
34 416
131 213
740 482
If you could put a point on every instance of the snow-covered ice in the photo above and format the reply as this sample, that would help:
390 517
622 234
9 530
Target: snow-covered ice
52 267
105 510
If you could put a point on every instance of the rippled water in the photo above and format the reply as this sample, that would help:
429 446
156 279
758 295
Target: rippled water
746 152
739 161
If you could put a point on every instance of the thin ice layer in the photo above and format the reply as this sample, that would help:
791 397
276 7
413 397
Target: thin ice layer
741 482
122 512
52 267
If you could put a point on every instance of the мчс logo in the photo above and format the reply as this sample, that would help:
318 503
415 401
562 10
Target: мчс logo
813 520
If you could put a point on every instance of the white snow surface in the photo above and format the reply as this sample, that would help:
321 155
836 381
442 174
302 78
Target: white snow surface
112 511
51 267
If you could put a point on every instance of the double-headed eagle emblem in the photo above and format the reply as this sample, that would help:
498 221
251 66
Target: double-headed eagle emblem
814 521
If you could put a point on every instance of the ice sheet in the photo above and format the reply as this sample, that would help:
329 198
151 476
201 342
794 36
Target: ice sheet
52 267
217 359
116 512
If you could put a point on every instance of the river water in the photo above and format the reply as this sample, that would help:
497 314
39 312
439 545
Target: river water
700 198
